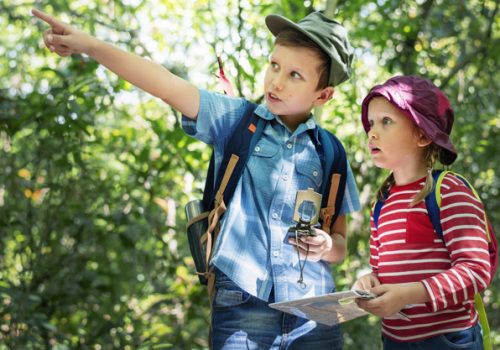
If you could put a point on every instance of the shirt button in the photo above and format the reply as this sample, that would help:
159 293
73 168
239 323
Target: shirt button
275 215
276 253
289 145
285 177
257 149
315 173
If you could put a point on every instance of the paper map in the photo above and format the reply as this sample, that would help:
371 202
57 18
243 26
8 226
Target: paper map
328 309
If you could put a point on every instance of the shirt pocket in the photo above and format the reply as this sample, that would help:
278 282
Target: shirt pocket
265 149
263 160
310 174
419 229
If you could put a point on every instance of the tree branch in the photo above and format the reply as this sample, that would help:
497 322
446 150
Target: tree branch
408 61
481 51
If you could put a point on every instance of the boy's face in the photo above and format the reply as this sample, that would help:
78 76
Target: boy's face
290 84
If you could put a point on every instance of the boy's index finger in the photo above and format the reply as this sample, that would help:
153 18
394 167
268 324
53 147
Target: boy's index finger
54 23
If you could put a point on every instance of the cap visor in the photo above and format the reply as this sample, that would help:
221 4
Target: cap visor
276 23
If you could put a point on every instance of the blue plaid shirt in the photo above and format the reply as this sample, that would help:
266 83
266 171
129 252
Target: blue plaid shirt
251 249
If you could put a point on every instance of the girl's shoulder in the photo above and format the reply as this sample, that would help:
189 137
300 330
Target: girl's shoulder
452 186
451 180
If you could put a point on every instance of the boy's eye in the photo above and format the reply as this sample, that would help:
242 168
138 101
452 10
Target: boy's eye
296 75
274 65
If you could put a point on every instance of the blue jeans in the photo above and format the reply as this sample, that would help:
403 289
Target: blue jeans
470 339
241 321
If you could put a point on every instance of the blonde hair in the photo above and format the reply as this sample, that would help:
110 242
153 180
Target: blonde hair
431 155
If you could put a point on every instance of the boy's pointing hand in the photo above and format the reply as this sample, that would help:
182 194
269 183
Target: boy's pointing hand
61 38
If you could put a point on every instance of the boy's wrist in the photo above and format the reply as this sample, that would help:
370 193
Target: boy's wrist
92 46
338 250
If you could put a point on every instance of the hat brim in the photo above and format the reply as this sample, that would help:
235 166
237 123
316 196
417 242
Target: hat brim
276 23
447 152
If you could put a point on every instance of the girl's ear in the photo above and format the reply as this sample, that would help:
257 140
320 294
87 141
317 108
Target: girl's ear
324 96
423 141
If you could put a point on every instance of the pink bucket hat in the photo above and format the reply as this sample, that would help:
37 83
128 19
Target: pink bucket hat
422 102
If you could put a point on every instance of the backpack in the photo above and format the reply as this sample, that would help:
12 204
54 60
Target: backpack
204 216
433 205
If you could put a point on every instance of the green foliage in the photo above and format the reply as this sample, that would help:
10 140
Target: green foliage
94 174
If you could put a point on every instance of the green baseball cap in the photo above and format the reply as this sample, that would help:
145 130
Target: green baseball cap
329 34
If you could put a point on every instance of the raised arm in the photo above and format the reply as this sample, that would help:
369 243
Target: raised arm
151 77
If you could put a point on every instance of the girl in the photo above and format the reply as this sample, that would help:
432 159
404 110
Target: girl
430 281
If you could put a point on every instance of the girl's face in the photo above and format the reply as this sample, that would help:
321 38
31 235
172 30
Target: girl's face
395 142
290 84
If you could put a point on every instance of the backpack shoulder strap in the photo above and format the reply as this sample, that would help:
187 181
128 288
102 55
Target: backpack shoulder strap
236 151
433 201
376 210
334 160
218 193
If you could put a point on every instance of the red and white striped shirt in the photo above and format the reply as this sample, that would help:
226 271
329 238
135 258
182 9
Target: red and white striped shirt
406 249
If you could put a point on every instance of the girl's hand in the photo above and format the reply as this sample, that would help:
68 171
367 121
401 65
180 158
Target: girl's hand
63 39
391 298
366 282
321 246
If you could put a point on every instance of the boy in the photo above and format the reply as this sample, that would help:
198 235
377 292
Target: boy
253 265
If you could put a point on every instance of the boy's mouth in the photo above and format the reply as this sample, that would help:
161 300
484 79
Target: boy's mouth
272 97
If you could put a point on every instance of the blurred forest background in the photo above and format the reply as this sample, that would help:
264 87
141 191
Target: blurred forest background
94 174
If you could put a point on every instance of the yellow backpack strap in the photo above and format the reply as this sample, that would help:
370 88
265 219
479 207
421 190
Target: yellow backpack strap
478 300
468 184
483 321
439 181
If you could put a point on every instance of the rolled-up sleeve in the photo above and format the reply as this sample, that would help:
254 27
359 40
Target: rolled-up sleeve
218 114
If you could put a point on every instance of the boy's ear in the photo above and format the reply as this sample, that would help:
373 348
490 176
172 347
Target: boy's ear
324 96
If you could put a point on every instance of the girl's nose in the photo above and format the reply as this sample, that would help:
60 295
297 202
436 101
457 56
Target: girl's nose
372 134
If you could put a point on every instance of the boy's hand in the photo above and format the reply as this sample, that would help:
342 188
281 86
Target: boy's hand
151 77
321 246
61 38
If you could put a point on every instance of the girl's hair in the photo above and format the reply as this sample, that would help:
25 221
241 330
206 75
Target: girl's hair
431 155
293 38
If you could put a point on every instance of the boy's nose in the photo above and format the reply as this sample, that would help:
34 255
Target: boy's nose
278 83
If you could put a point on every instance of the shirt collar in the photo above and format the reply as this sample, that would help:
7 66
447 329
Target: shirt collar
310 123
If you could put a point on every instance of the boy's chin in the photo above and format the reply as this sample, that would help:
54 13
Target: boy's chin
273 109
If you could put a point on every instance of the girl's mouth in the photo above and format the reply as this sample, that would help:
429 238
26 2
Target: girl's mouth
373 149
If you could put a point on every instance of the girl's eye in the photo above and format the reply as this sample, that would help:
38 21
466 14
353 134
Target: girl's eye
296 75
386 121
370 122
274 65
